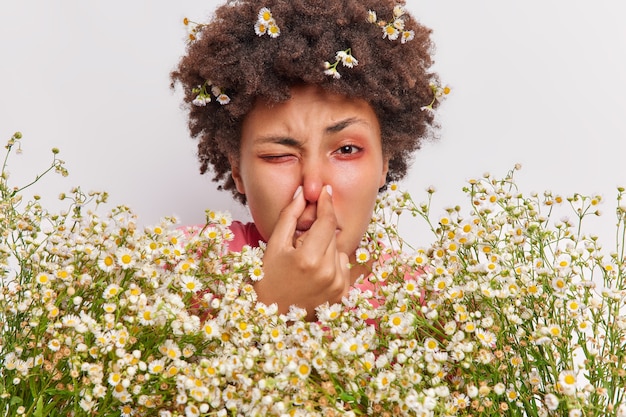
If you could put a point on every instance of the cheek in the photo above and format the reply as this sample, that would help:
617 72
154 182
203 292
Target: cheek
265 201
355 199
362 182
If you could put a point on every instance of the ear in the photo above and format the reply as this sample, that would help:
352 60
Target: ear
383 176
236 174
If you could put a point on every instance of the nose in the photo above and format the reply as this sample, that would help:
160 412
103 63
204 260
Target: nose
314 177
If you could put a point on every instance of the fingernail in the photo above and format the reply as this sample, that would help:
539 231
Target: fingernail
298 191
329 189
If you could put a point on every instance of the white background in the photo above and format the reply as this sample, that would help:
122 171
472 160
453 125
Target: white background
539 82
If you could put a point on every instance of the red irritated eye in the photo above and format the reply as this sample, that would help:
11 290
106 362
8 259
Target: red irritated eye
349 150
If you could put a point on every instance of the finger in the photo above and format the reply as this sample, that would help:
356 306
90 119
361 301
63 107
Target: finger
288 219
343 270
344 267
324 228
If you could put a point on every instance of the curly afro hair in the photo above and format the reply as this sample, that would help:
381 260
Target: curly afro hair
394 77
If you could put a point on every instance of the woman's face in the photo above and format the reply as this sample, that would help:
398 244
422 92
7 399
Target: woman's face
313 139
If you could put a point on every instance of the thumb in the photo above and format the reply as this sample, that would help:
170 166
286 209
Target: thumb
344 266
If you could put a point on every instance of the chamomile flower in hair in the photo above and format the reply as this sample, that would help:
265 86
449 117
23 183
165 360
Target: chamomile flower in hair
205 91
347 60
371 16
398 11
439 93
395 29
407 35
265 16
391 32
193 29
266 24
331 69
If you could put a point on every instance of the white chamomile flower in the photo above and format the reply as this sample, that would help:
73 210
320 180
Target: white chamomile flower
43 278
106 262
170 349
551 401
574 306
346 58
125 258
349 61
273 30
54 345
553 330
265 15
70 320
156 367
407 35
147 315
186 265
431 344
192 411
398 24
400 323
111 291
201 101
114 378
461 401
362 255
331 70
190 284
256 273
223 99
485 337
450 327
559 284
390 32
211 329
303 370
398 11
384 379
410 286
327 313
260 28
567 382
371 16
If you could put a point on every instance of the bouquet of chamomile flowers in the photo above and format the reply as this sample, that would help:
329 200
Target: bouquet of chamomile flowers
506 311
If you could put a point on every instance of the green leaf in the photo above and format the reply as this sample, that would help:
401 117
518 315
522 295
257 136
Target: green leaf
349 398
15 401
39 409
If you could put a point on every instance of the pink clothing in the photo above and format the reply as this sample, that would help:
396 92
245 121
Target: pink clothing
244 234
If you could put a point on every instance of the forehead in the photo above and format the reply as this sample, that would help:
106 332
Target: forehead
311 104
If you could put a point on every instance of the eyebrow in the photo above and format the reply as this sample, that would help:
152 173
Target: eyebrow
289 141
342 124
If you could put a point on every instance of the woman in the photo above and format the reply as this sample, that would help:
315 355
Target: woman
304 110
